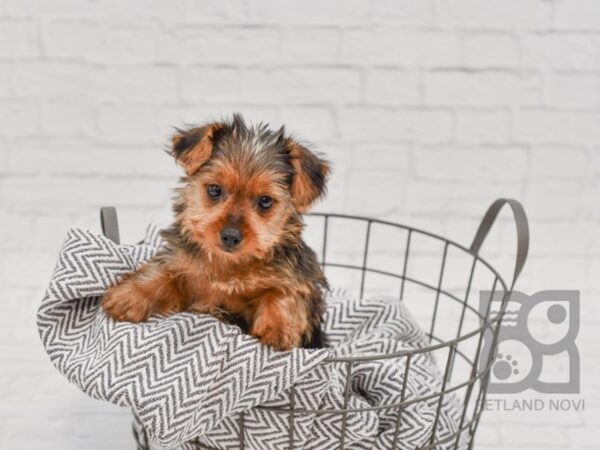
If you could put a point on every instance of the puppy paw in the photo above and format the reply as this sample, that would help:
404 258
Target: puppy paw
126 304
278 337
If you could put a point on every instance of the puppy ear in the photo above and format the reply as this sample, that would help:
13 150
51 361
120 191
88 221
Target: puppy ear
193 147
310 175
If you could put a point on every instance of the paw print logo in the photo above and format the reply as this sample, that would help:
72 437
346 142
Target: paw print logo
505 367
537 331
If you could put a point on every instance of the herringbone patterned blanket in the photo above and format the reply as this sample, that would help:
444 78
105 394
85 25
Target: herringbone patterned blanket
189 377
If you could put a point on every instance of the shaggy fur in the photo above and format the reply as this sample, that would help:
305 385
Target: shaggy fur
235 249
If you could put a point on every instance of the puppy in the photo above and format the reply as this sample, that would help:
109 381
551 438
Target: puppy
235 249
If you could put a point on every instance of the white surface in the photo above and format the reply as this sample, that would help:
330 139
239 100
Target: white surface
428 110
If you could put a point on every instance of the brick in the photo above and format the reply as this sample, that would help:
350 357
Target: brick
54 429
37 265
302 45
557 239
143 11
584 437
18 38
58 39
509 14
73 156
395 46
372 156
51 79
577 14
592 364
99 42
363 124
488 88
211 84
491 50
543 126
13 226
314 124
483 127
500 165
210 12
21 197
74 193
128 44
561 163
594 161
69 118
565 51
306 85
35 155
136 84
18 301
403 11
108 10
590 194
553 200
451 200
591 245
572 91
41 7
5 75
392 86
19 118
309 11
49 232
128 123
223 45
362 185
101 423
4 157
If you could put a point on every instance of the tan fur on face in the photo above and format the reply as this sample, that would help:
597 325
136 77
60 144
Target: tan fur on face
205 218
271 283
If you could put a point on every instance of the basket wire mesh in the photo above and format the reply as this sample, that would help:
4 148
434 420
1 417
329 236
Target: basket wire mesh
457 348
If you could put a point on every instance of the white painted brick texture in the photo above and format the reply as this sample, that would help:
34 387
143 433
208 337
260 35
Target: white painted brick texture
428 109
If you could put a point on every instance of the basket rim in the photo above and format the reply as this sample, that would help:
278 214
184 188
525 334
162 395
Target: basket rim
442 344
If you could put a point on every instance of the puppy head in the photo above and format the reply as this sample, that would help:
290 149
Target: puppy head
243 186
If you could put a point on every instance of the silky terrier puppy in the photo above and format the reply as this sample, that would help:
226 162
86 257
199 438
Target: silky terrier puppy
235 249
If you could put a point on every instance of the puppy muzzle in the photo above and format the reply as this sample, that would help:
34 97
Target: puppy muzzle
231 238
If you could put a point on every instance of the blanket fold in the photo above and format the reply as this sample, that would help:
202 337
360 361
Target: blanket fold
188 377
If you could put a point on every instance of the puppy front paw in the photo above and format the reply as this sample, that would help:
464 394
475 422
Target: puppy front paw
278 336
125 303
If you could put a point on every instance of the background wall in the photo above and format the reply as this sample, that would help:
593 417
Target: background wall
428 109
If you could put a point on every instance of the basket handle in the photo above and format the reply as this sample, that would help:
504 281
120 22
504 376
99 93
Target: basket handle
522 232
110 223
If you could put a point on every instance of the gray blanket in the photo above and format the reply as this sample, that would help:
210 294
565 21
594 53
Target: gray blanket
188 377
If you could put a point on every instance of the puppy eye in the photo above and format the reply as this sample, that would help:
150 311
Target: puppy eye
214 191
265 202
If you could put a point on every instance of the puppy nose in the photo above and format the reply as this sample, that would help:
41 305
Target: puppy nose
230 238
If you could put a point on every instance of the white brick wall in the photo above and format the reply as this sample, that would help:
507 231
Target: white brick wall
429 109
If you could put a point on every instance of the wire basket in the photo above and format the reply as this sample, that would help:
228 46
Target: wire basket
449 289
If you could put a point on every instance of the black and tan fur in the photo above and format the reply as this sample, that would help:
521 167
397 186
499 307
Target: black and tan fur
270 283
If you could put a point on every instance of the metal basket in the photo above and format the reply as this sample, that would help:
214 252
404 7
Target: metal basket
454 307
